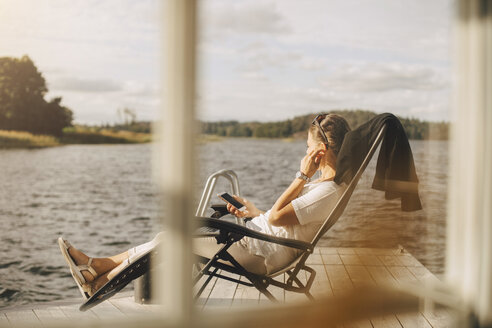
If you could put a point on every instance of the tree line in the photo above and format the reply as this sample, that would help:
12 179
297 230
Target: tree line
22 100
415 128
23 108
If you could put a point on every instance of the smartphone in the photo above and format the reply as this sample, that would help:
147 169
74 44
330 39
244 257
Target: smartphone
229 199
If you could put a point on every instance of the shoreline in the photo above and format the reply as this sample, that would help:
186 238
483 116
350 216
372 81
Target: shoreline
27 140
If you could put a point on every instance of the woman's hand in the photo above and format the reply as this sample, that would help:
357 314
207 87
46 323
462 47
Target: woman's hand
250 212
310 162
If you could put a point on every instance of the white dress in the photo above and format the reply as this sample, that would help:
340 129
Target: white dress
313 205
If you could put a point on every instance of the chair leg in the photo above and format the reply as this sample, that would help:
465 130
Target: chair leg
202 288
268 294
310 296
298 282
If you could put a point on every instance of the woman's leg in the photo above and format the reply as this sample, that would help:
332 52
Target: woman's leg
100 265
104 265
122 260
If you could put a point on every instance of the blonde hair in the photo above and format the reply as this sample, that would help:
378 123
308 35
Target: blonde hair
334 126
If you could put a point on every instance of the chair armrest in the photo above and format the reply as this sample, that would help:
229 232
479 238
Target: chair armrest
246 232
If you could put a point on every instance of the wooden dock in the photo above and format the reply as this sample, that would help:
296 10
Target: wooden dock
338 270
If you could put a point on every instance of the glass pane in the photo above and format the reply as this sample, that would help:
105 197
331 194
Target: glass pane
78 165
268 68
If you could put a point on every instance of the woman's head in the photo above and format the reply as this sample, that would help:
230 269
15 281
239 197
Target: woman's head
334 128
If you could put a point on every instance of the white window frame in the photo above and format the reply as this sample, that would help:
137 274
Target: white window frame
469 244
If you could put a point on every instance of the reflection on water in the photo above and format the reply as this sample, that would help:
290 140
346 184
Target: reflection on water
102 199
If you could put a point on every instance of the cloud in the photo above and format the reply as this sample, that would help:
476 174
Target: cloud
235 18
86 85
383 77
418 30
258 56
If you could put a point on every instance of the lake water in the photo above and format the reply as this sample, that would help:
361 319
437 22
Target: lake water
102 199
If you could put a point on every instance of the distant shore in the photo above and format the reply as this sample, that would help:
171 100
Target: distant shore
26 140
78 136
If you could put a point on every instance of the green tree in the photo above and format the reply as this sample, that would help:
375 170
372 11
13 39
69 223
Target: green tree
22 103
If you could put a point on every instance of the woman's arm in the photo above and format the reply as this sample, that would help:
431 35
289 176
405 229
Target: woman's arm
250 212
282 212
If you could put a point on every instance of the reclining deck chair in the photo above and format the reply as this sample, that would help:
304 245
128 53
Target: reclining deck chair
227 233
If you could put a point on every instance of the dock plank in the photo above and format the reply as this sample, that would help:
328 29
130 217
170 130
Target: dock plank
73 313
327 250
350 259
385 251
387 321
359 275
202 300
408 320
437 317
24 317
358 324
129 307
440 318
345 251
423 275
382 276
314 258
408 260
321 285
369 259
245 295
107 310
49 314
331 259
413 320
339 279
223 292
3 320
390 260
402 274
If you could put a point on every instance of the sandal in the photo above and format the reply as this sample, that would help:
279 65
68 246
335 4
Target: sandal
76 270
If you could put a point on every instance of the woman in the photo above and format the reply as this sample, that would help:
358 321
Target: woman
297 214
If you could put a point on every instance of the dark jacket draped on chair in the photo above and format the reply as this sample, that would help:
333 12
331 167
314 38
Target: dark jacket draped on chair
395 170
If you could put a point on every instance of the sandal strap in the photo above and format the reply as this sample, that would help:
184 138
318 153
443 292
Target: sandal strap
88 267
67 244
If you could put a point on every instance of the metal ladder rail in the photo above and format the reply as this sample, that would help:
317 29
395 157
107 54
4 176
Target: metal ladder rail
210 186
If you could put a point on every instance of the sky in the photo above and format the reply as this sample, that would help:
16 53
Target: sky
258 60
